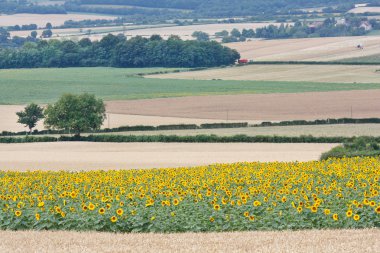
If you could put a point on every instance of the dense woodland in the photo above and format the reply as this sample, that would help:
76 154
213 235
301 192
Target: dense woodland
116 51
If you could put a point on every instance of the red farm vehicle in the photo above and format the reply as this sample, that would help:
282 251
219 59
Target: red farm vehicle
243 61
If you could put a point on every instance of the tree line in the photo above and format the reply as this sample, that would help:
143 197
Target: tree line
200 8
328 28
22 6
226 8
117 51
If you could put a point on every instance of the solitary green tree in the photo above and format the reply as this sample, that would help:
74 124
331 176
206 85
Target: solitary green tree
34 34
76 113
47 33
200 36
30 116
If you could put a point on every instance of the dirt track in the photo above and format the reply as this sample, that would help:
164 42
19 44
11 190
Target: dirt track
311 105
309 49
330 241
91 156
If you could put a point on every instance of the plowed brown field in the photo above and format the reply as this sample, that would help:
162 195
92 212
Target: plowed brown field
292 106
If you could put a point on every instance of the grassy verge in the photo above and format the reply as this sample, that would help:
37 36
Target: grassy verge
371 59
359 147
136 128
185 139
22 86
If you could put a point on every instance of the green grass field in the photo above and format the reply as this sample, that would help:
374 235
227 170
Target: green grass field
22 86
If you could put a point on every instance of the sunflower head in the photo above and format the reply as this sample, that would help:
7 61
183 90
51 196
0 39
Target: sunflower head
119 212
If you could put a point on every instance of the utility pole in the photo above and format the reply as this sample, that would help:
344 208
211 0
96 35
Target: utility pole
351 112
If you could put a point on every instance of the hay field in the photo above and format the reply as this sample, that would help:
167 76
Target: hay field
362 9
297 73
308 49
260 107
321 241
109 156
41 20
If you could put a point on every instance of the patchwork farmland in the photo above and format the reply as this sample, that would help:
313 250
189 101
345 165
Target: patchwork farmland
229 189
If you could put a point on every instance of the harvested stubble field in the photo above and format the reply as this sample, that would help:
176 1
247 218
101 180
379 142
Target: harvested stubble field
74 32
347 130
109 156
184 32
41 20
260 107
164 31
314 241
360 10
308 49
297 73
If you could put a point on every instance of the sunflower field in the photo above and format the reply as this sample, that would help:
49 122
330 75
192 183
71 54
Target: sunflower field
335 193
